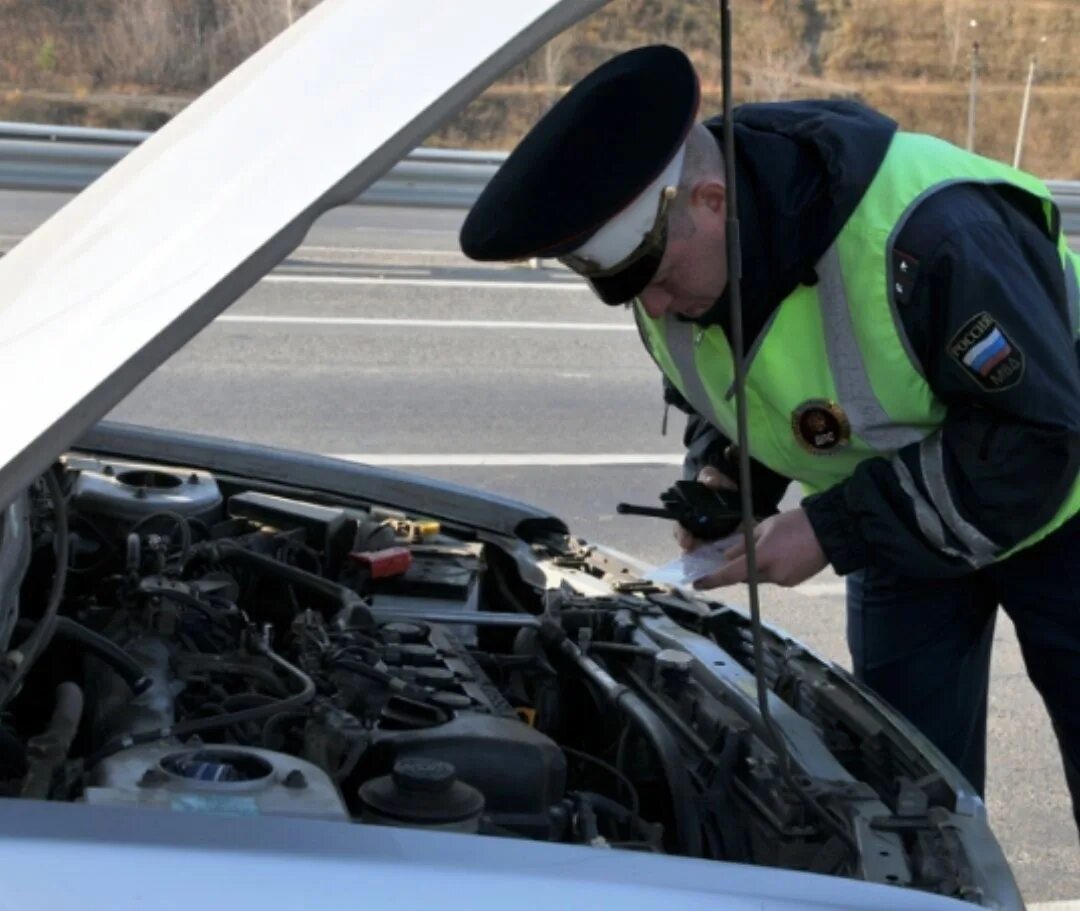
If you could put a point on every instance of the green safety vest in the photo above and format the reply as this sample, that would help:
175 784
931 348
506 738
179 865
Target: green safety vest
831 379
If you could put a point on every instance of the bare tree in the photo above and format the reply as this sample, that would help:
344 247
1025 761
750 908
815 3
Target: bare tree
549 67
243 27
776 73
778 59
140 41
956 30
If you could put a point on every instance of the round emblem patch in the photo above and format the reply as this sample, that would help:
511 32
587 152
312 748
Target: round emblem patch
820 426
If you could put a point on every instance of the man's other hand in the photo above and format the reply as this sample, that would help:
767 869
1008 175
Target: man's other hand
787 552
714 479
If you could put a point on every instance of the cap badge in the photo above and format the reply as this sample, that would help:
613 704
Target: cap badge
820 426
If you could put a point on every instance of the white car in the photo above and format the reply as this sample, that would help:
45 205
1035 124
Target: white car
240 677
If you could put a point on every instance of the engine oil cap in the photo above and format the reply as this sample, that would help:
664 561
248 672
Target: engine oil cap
422 792
419 774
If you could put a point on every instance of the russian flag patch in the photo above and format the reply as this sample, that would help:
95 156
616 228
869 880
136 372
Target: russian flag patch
987 354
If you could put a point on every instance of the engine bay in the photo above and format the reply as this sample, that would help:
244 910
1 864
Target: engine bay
221 645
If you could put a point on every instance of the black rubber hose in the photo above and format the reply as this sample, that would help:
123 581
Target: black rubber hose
49 749
180 521
396 684
272 738
586 820
617 774
683 800
214 722
34 644
108 651
346 598
178 595
641 829
13 759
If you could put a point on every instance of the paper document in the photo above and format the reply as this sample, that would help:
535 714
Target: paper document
683 570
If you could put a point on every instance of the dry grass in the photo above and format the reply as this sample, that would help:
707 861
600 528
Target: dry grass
910 58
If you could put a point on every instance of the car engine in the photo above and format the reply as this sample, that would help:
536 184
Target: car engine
221 645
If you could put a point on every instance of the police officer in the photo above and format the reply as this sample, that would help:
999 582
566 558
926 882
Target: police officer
911 313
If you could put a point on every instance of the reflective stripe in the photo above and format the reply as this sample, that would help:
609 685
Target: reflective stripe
681 344
853 390
932 463
929 521
1072 289
758 342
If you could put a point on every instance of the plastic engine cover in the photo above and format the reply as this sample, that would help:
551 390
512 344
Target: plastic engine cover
520 771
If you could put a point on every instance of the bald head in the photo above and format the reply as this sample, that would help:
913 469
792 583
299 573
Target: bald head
703 162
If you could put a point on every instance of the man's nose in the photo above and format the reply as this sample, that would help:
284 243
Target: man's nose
656 301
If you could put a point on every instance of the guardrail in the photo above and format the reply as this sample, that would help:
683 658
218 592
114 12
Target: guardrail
37 157
67 159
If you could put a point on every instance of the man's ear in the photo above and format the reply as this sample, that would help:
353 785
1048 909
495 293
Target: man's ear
711 194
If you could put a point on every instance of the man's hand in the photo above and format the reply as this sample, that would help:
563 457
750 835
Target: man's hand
714 479
787 553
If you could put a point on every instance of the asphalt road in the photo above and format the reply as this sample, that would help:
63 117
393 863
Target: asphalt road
377 341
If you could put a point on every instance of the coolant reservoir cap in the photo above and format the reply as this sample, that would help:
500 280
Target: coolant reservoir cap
217 768
673 659
419 774
422 792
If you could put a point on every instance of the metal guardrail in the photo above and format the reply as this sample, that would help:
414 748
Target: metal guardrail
67 159
1067 196
36 157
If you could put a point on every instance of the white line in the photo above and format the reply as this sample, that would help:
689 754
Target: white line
425 323
420 282
378 251
1071 904
821 589
428 460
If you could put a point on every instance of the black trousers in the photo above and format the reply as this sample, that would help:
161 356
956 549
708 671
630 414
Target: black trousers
924 645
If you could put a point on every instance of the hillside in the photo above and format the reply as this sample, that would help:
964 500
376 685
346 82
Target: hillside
133 63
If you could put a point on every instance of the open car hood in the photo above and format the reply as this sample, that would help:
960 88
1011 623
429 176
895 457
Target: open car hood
136 265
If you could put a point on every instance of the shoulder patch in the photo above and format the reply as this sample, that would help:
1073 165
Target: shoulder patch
905 269
987 354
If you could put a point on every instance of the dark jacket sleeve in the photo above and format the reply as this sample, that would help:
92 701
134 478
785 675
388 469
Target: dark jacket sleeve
706 445
1007 453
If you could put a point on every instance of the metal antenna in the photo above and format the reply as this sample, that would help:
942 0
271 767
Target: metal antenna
734 264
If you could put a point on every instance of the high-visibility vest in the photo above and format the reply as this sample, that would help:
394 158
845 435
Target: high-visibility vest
832 379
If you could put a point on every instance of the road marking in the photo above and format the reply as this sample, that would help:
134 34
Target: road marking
377 251
1071 904
821 589
515 460
424 283
421 323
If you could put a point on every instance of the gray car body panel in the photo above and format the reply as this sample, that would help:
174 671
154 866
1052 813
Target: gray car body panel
131 860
